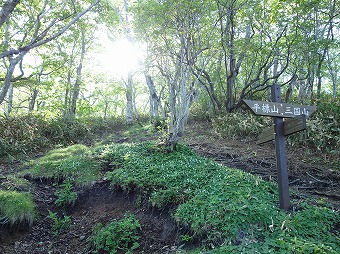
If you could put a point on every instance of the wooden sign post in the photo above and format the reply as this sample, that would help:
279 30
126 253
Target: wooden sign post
281 158
279 111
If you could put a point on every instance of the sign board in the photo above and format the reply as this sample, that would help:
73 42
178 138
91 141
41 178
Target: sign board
281 128
290 126
278 109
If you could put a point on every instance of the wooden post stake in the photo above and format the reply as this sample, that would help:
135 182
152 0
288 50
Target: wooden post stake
281 158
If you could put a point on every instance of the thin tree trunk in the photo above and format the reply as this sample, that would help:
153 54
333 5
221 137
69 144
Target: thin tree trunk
153 99
9 75
105 109
76 88
10 99
33 100
129 99
302 87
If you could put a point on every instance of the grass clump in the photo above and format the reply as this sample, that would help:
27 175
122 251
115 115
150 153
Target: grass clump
72 162
117 235
16 207
228 210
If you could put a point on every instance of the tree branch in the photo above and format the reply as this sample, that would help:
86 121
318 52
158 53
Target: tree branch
7 9
41 41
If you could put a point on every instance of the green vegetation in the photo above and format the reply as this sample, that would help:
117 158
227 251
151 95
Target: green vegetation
16 207
73 162
14 182
227 210
201 56
222 207
240 124
22 134
59 224
323 129
322 134
117 235
65 194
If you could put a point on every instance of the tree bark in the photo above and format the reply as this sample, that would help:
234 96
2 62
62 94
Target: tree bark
153 98
7 9
33 100
9 74
10 99
76 87
129 99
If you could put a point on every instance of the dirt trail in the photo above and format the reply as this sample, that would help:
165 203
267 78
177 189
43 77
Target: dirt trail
306 179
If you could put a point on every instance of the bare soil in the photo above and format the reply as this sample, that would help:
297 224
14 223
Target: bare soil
159 233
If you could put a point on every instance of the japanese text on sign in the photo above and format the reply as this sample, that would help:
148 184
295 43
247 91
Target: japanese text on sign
279 109
267 109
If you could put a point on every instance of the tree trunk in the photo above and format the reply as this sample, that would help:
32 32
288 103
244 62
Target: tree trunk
10 99
180 100
105 109
9 74
76 88
7 9
129 99
33 100
153 98
334 75
302 87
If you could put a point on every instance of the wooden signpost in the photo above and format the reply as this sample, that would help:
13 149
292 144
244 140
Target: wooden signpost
296 122
290 126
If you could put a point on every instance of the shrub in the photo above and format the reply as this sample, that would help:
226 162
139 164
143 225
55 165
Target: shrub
323 131
59 224
240 124
117 235
21 134
65 131
322 134
65 194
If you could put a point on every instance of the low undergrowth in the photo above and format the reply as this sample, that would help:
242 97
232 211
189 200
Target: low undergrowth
227 209
320 137
116 235
16 207
24 134
73 162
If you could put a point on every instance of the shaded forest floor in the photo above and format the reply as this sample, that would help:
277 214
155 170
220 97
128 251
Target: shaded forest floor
160 234
309 175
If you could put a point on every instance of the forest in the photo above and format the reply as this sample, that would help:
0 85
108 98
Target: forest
123 127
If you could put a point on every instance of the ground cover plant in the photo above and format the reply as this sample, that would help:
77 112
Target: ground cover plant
73 162
60 224
220 206
216 209
116 235
16 207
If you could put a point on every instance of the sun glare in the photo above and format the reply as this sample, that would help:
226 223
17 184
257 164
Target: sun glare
118 58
